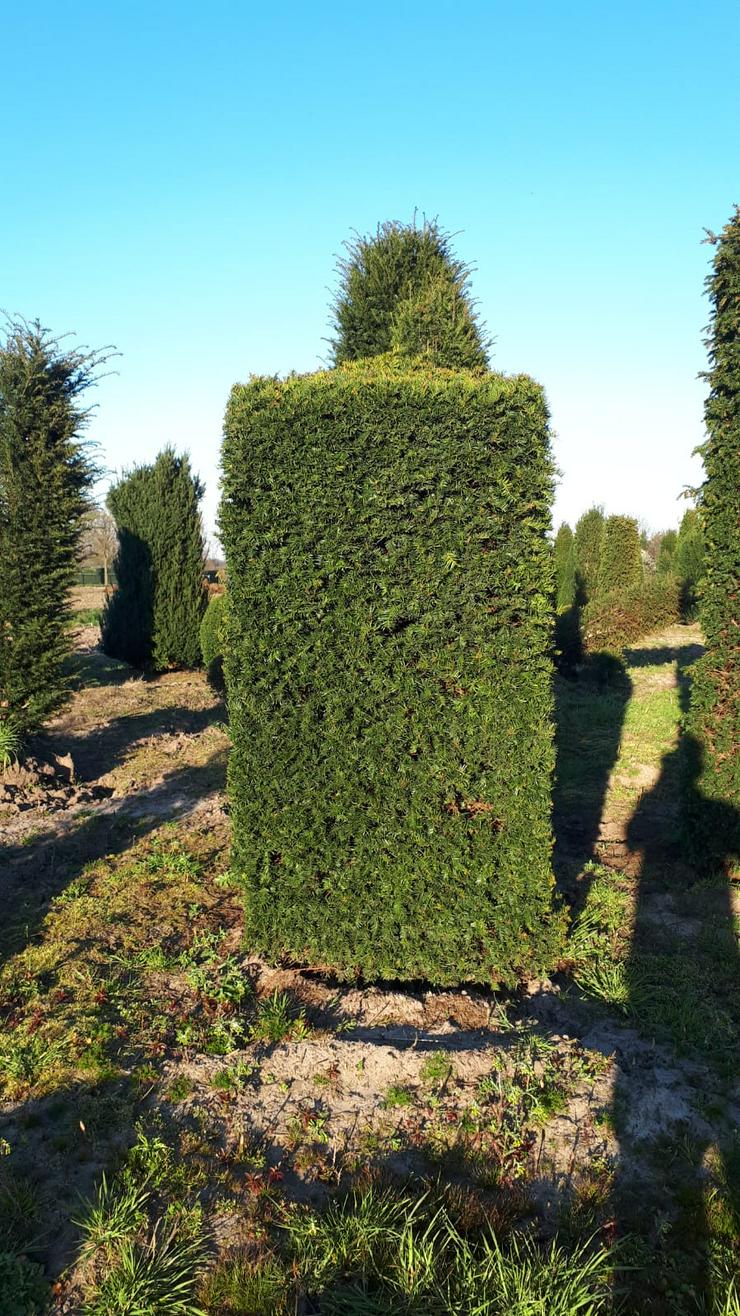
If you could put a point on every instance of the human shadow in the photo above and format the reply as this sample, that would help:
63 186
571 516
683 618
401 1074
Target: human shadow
589 716
683 992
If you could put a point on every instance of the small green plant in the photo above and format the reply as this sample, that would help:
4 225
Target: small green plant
398 1095
117 1211
153 1277
233 1077
22 1287
240 1284
180 1088
10 743
278 1021
436 1068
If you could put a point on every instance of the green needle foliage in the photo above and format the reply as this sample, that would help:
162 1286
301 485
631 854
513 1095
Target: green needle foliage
589 539
387 636
715 701
45 475
211 640
666 553
565 567
568 646
154 616
620 565
688 562
403 288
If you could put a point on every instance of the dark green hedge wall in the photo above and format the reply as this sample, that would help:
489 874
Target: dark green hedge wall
713 790
390 586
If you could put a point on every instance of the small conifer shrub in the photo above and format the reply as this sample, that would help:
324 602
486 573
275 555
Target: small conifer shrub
713 791
387 639
154 616
211 640
45 475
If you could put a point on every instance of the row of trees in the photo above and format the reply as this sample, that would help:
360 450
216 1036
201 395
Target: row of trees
610 588
47 472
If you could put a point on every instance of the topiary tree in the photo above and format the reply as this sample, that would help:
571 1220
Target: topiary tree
45 474
688 561
154 616
387 661
402 288
620 566
714 719
589 539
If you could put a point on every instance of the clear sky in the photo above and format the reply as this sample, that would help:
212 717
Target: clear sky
177 179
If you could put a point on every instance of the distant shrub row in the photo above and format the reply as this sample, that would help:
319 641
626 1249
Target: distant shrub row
610 591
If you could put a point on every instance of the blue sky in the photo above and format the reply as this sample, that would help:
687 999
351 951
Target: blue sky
177 179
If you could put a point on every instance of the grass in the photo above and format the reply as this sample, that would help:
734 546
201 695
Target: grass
138 1057
87 616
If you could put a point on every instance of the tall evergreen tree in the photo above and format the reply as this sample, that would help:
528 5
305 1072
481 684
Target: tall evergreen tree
665 561
688 561
154 616
589 539
403 288
565 567
45 474
620 567
715 698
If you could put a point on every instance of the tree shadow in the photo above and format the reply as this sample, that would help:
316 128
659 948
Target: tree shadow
683 986
34 873
104 747
589 716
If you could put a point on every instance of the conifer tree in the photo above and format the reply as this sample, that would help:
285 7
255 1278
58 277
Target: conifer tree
565 567
665 562
620 567
688 561
154 617
715 698
45 474
589 538
403 288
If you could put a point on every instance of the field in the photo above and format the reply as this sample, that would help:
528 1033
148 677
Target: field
301 1144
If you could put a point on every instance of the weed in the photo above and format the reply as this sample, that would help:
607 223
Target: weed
116 1212
154 1277
378 1253
240 1284
397 1095
180 1088
22 1287
10 743
233 1077
436 1068
278 1021
20 1211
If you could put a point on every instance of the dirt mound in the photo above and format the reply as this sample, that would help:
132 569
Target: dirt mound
46 785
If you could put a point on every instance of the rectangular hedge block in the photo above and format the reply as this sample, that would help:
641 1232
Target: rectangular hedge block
388 671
